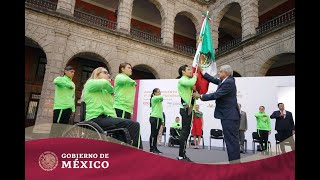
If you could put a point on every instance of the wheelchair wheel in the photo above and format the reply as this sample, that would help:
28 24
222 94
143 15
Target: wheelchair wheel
86 129
171 144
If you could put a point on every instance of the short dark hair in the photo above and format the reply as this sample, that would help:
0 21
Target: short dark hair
123 65
177 117
262 106
279 104
182 68
68 68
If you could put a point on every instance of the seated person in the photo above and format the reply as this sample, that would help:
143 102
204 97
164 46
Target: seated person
176 124
176 127
97 94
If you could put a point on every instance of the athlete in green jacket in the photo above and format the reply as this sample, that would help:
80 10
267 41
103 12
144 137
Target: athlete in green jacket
185 86
64 100
125 89
176 124
99 105
263 127
156 119
98 98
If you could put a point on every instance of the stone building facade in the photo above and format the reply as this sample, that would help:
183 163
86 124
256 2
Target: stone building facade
62 37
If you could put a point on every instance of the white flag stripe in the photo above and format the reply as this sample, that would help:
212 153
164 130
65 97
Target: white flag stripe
212 69
195 59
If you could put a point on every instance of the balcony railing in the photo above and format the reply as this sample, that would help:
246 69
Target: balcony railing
277 21
43 4
273 23
104 23
145 36
224 47
92 19
184 48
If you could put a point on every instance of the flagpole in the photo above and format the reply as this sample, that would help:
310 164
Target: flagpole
190 106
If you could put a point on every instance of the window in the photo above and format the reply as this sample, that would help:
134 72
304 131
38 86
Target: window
33 106
85 74
41 69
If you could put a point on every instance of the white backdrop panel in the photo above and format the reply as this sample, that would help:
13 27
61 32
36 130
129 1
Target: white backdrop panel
252 92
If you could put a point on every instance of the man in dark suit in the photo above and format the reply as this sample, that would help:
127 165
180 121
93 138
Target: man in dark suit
226 108
284 126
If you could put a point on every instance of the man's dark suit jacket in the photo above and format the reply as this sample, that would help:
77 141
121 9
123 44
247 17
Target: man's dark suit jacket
225 96
286 123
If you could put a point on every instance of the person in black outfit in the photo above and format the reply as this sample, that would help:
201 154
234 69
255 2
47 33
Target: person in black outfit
284 126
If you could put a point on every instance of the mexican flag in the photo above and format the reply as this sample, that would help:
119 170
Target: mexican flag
205 46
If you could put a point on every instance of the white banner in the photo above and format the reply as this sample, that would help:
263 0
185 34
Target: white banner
252 93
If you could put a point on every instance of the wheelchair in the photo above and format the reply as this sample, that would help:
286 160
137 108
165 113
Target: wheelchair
91 130
174 138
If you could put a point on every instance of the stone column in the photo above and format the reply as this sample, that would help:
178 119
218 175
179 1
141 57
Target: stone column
215 34
167 25
54 68
251 66
66 7
124 16
171 68
198 29
215 25
122 49
250 18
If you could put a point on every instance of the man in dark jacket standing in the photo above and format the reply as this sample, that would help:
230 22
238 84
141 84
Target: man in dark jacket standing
243 128
226 108
284 126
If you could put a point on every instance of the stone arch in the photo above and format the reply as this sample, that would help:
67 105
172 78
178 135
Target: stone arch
160 4
220 8
237 66
148 67
218 14
236 74
44 36
35 69
195 18
103 52
91 54
264 57
42 45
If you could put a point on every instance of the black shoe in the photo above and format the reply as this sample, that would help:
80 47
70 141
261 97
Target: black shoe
241 151
185 158
157 150
154 151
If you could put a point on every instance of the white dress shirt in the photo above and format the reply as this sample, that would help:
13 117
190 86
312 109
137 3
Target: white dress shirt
284 113
224 79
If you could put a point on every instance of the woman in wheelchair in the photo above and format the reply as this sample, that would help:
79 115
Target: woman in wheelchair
97 95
